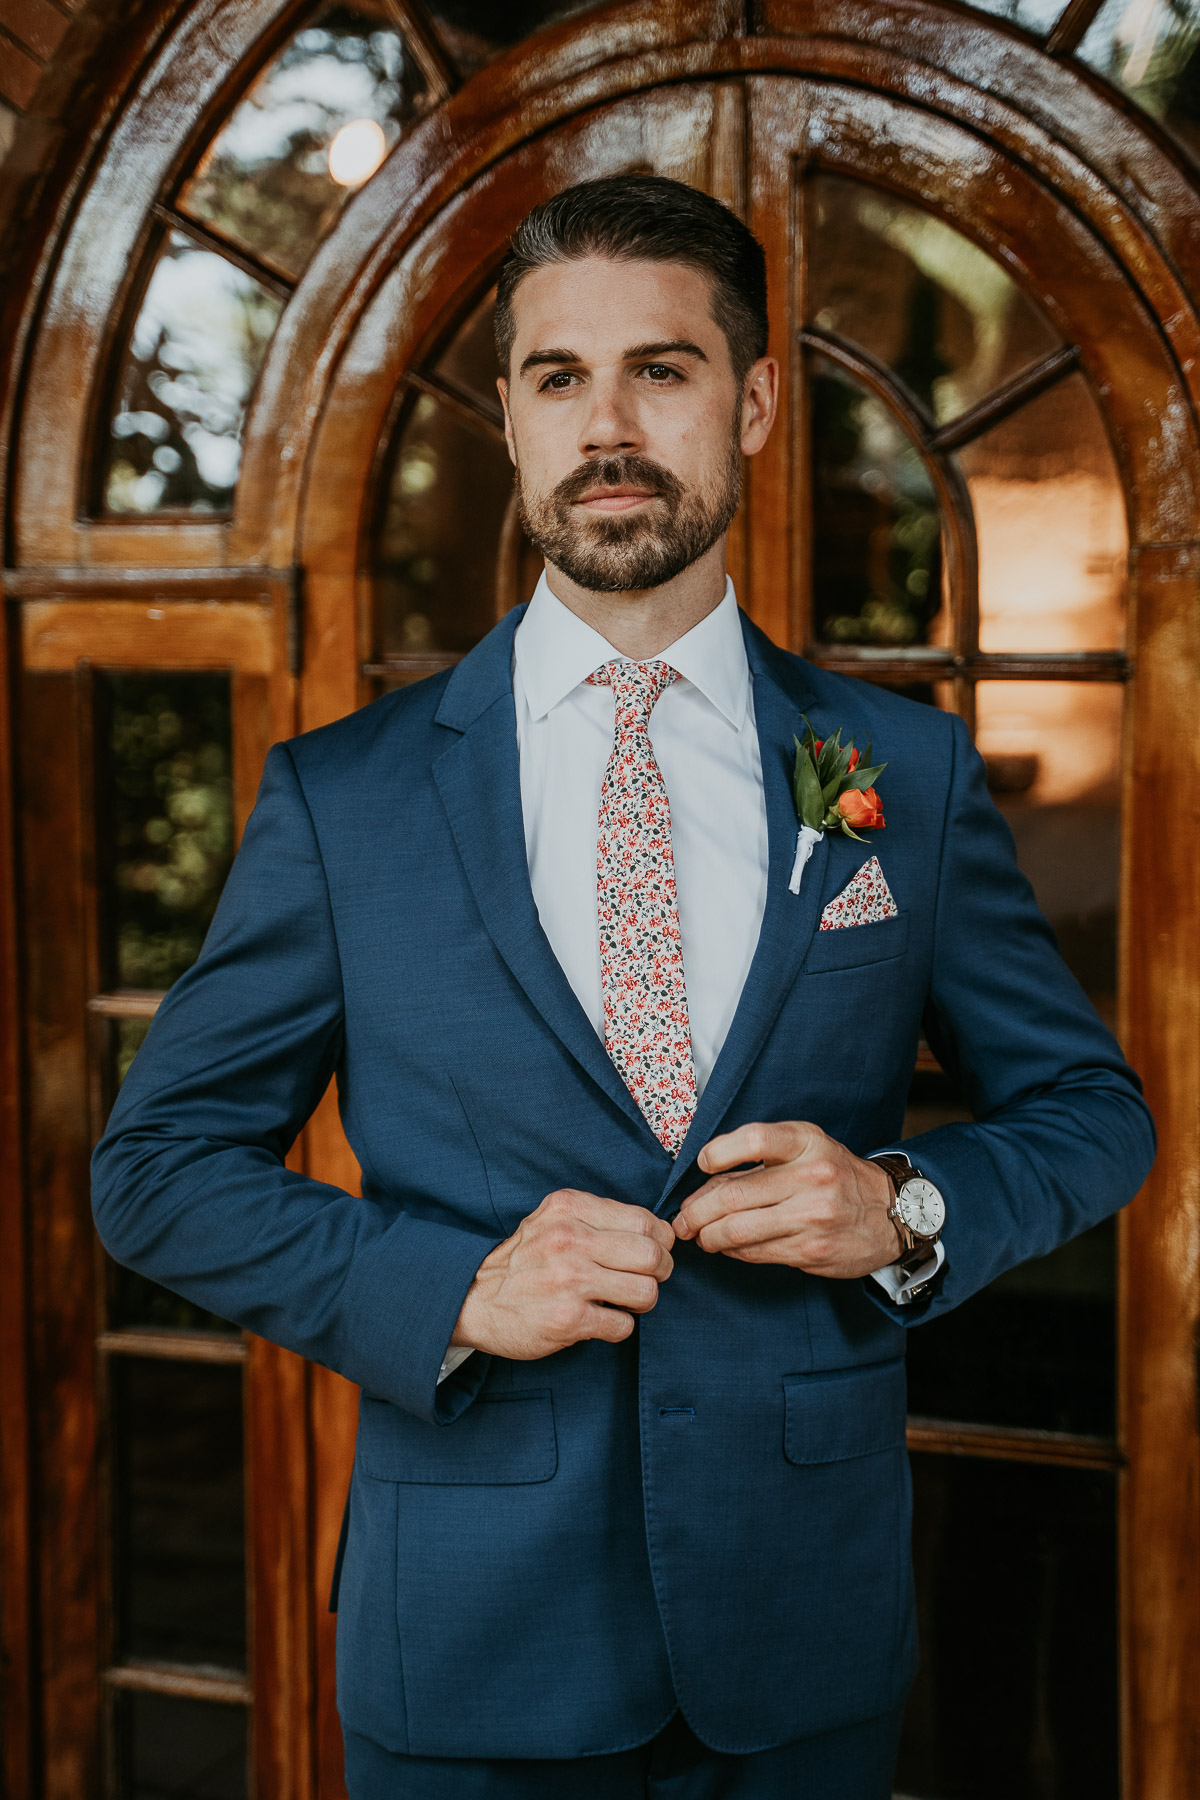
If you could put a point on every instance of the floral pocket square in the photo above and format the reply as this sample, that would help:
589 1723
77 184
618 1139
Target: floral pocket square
863 901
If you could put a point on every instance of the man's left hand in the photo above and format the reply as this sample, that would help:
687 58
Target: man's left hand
808 1203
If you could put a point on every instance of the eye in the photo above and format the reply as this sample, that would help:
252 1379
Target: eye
557 383
661 373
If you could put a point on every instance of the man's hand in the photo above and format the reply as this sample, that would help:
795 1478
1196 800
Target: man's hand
579 1267
810 1203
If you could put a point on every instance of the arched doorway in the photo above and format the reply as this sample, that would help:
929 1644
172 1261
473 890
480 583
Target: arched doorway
984 490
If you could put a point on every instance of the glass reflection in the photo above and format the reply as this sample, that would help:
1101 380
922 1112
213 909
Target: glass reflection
475 32
1035 15
314 125
193 358
436 582
1151 49
166 790
469 360
1017 1693
184 1749
181 1579
1050 517
917 294
877 549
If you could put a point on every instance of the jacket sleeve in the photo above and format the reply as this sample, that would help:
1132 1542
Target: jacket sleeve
1061 1135
189 1184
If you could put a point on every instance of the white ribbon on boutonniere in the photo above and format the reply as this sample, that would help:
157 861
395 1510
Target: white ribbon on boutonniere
833 790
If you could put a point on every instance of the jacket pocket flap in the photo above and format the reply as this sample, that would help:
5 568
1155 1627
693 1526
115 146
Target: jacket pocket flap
501 1439
846 1413
854 945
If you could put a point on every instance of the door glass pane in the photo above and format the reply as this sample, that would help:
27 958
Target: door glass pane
476 31
175 441
1151 49
1017 1600
469 360
181 1579
167 821
171 1749
314 126
435 577
1050 516
1035 15
877 546
926 301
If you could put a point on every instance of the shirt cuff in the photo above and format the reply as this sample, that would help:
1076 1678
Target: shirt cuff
455 1357
900 1284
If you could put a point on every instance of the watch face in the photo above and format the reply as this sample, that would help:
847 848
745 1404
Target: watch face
921 1206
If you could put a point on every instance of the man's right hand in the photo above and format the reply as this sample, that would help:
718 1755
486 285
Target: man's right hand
579 1267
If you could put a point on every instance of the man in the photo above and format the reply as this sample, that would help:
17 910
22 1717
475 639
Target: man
625 1291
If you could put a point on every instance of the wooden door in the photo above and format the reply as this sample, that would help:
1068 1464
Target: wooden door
982 490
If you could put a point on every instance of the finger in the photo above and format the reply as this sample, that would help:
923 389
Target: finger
737 1231
631 1252
757 1143
616 1287
608 1323
609 1215
764 1186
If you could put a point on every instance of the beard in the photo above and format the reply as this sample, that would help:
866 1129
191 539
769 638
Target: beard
623 554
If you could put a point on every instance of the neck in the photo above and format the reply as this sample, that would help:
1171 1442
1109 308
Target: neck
642 622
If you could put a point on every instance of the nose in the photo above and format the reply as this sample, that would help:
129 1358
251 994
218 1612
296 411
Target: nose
610 425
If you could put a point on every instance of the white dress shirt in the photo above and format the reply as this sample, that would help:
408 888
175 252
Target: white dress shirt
704 738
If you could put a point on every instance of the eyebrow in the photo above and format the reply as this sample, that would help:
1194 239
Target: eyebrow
637 353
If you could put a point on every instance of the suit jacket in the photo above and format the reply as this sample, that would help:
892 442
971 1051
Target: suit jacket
542 1558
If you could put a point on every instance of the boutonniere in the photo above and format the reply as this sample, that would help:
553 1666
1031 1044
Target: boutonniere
833 791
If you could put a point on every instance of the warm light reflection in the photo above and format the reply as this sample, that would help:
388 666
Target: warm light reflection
356 152
1051 562
1069 731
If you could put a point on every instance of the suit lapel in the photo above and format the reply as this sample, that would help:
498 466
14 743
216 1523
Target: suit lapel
781 694
478 779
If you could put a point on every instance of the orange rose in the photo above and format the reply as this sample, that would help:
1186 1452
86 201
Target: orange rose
861 809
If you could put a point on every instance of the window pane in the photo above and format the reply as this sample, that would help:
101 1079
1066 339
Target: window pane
436 578
1016 1593
922 298
166 803
1035 15
877 548
476 31
181 1580
1050 514
1151 49
272 179
169 1749
469 360
196 349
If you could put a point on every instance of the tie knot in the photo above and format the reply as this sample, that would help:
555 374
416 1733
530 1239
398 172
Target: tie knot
636 686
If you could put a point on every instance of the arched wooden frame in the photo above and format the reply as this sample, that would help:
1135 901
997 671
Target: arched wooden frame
1033 158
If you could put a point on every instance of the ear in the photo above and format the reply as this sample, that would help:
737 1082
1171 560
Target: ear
502 389
759 404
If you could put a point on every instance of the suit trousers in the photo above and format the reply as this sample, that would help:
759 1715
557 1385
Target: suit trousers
855 1762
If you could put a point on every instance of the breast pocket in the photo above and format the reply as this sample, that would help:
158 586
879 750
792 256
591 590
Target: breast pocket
857 946
501 1440
844 1414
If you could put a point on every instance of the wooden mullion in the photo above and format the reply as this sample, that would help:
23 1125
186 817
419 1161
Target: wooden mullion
1003 401
166 1345
1071 26
421 35
181 1681
1059 1449
282 286
467 406
945 665
132 1003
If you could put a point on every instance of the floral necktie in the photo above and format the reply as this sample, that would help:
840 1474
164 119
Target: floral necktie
646 1028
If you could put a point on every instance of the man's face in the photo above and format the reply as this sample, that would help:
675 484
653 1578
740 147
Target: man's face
624 420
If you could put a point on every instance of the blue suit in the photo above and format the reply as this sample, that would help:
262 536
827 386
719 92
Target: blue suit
544 1558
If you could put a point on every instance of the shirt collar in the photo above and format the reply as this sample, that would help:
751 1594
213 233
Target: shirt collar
554 650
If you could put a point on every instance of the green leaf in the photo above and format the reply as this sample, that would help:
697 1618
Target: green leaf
853 834
809 804
862 778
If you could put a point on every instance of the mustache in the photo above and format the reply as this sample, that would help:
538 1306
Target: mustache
616 472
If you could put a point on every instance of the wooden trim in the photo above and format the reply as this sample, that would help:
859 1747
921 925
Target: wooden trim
180 1680
127 1003
1003 401
61 634
942 665
1062 1449
173 1346
428 50
1071 26
205 238
464 405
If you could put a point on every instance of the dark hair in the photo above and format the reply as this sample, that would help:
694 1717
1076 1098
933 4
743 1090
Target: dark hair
645 218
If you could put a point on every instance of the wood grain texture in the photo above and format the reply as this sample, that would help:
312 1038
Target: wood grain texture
60 634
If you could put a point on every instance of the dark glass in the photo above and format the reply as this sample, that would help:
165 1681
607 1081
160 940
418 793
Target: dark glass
135 1302
448 489
178 1481
1053 539
170 1749
166 801
925 300
877 548
1151 50
469 359
475 32
175 442
1017 1599
277 174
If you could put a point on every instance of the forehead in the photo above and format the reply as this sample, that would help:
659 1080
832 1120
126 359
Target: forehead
602 304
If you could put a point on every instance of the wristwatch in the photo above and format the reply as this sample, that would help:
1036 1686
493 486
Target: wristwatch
918 1213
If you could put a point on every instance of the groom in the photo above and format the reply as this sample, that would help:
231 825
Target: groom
627 1287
